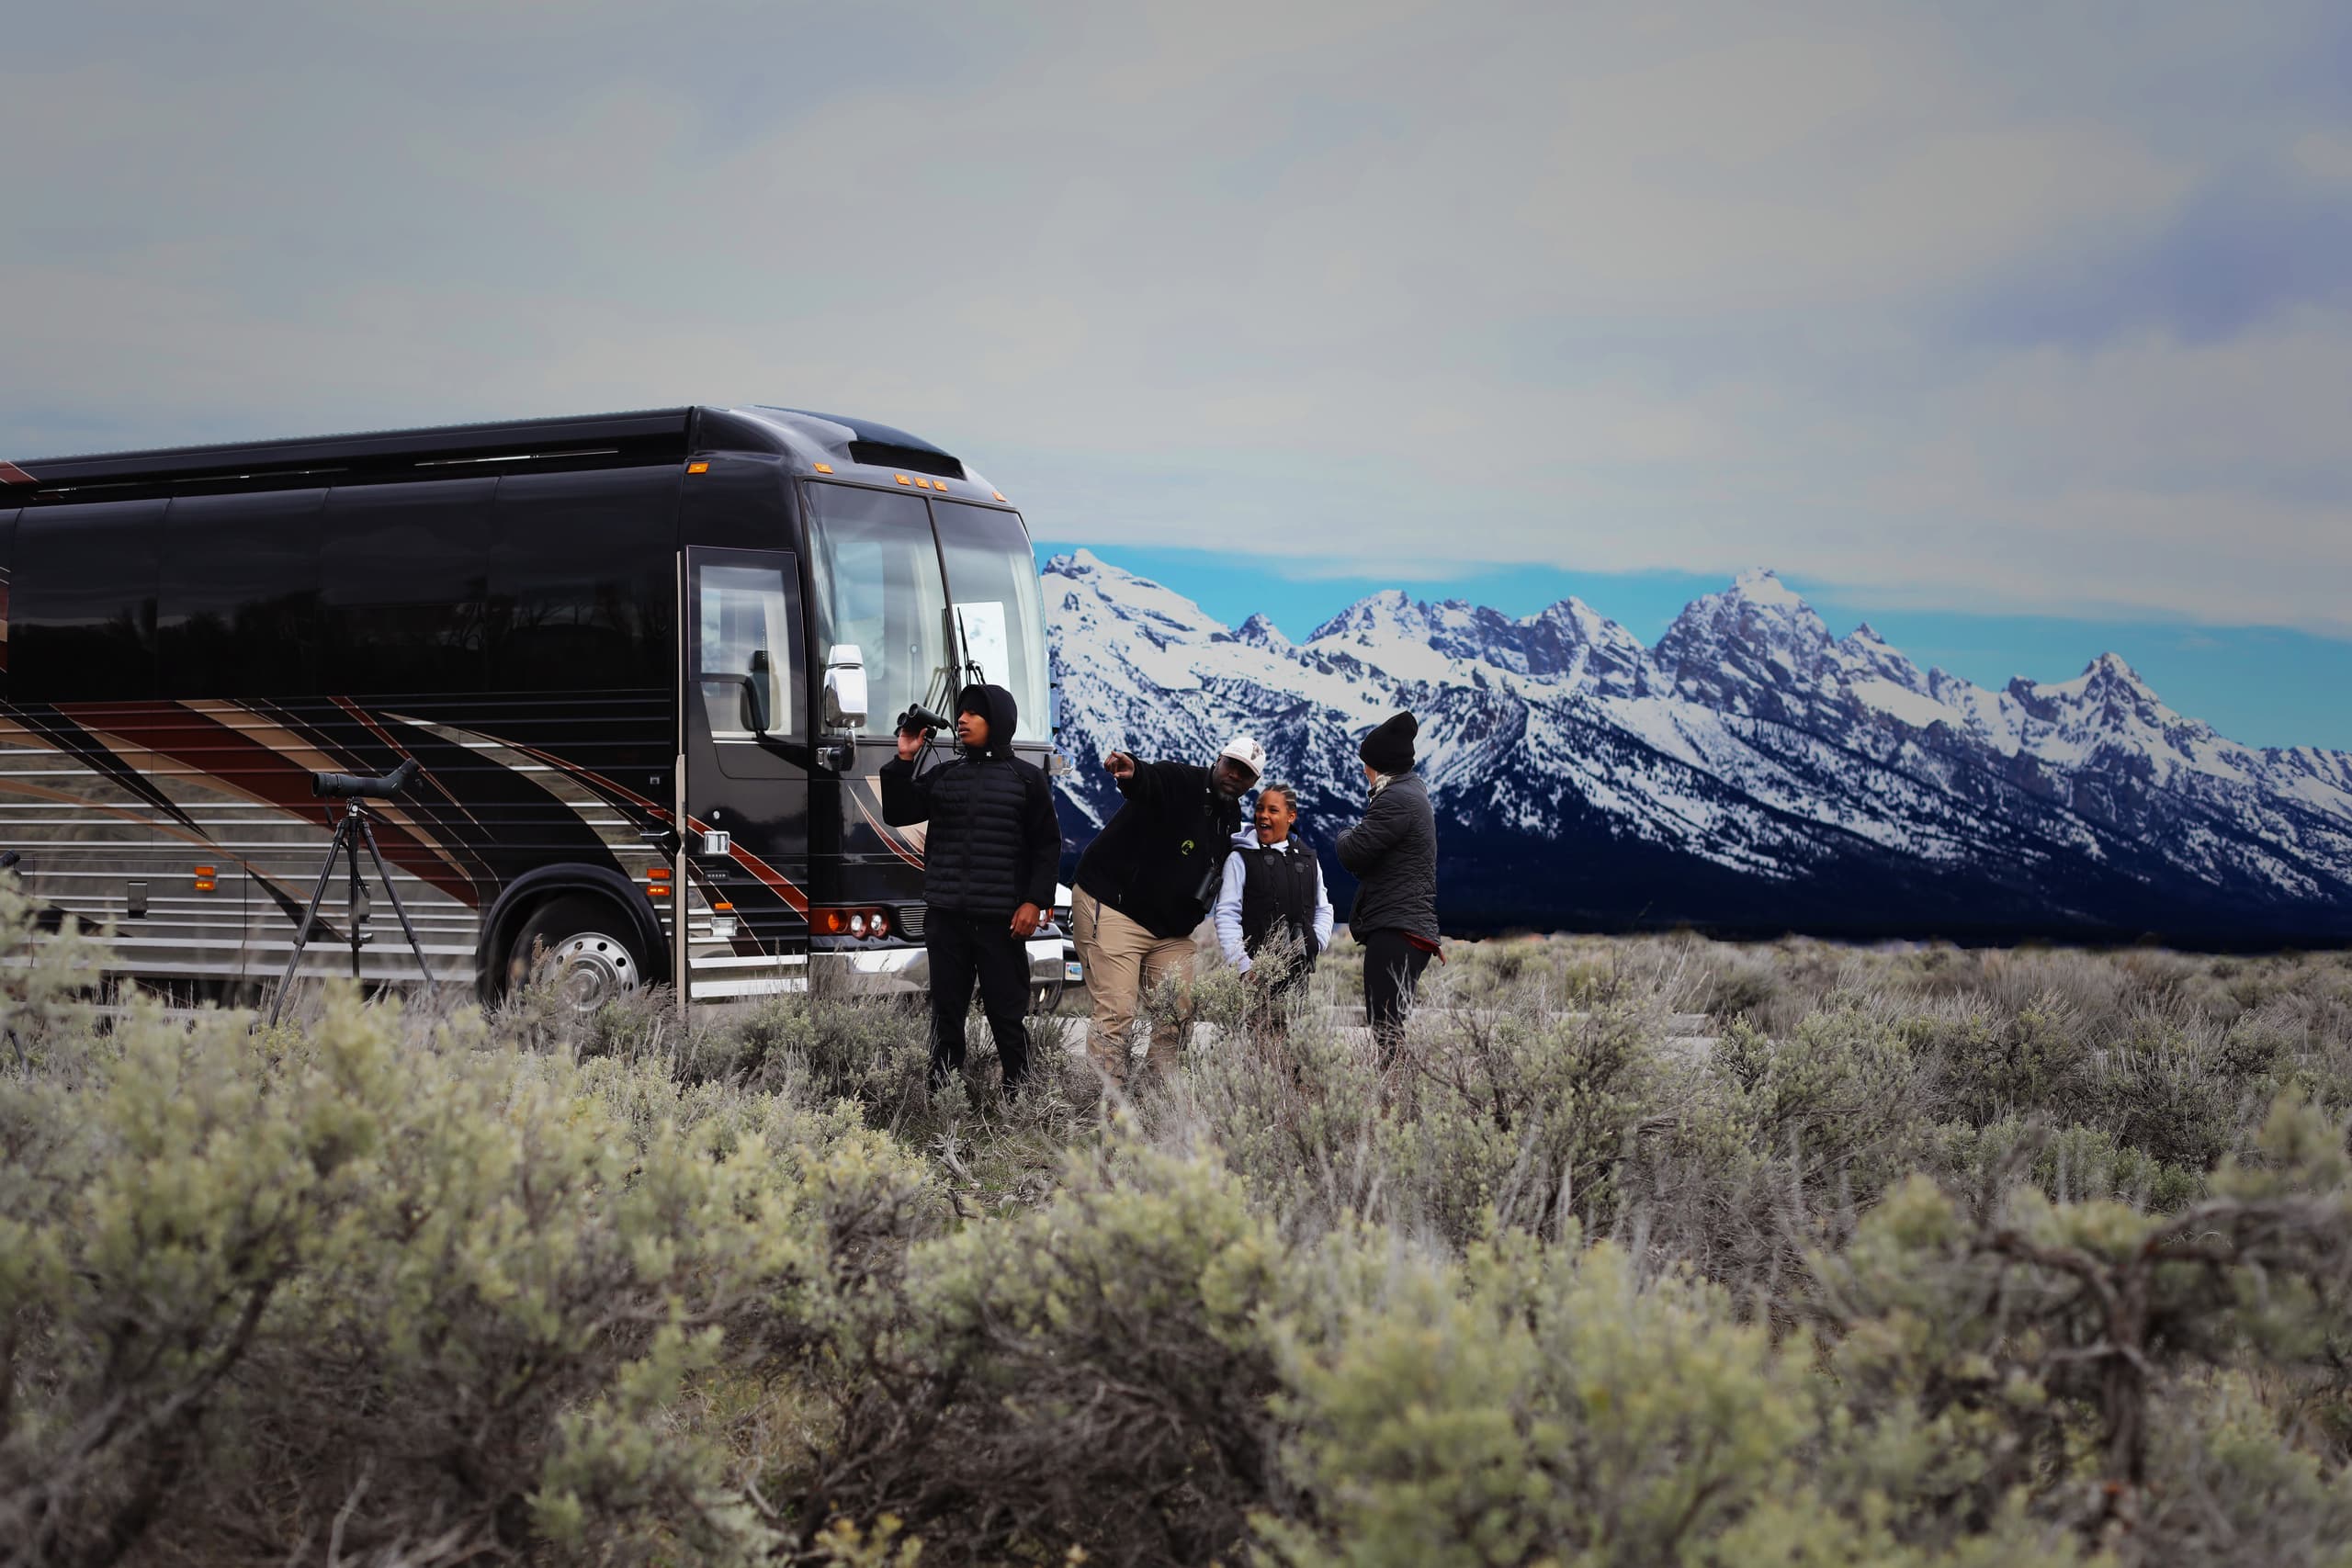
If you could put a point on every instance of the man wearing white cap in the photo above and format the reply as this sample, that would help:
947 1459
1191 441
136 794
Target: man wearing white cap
1147 881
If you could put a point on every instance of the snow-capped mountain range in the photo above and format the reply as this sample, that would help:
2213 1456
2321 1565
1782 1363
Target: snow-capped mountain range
1751 772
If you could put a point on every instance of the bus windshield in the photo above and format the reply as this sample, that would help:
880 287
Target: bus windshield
878 586
1000 613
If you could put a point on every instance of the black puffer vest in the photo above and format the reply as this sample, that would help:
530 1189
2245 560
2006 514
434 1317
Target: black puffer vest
1278 889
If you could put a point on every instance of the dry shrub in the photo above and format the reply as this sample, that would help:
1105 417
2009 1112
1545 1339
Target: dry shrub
1928 1256
368 1293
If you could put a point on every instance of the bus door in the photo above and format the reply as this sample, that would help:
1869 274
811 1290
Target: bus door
747 748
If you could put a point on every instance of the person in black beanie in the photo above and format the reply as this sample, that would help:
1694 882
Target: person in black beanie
988 875
1393 854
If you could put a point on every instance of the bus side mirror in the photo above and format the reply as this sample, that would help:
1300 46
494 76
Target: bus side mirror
845 687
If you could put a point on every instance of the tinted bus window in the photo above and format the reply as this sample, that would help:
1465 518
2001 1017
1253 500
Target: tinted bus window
746 624
82 616
878 586
583 581
239 614
999 611
403 571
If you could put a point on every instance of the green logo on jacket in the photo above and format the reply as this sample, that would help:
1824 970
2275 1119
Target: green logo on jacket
1187 849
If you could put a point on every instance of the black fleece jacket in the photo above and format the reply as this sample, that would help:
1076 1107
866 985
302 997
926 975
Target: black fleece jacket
1150 860
993 843
1393 852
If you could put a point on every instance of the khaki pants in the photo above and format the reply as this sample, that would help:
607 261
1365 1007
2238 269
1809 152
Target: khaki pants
1123 961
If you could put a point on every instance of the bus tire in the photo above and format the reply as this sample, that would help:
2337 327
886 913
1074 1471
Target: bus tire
585 938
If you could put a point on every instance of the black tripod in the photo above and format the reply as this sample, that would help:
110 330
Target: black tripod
348 835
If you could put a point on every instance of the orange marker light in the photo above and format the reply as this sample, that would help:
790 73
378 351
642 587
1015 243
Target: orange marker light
824 467
998 493
204 879
697 468
902 479
724 907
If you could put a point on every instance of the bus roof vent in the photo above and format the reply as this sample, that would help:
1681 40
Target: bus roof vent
919 460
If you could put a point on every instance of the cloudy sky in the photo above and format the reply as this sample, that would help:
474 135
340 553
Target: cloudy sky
1966 318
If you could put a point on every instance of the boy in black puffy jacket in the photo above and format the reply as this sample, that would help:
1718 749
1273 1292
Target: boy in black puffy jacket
989 860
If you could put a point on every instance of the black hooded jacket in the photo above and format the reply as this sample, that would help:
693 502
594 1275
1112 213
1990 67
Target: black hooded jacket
1158 860
993 843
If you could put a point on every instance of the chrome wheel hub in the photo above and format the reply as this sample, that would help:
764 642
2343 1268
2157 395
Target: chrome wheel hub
593 969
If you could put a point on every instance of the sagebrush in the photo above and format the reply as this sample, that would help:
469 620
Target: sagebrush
1641 1251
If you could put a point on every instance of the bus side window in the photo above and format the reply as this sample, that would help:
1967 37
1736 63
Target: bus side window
81 611
746 626
583 584
404 569
240 615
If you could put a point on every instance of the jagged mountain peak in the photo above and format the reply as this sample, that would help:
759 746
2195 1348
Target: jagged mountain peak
1762 585
2107 679
1388 608
1745 648
2112 667
1080 562
1083 590
1749 746
1758 604
1588 622
1258 631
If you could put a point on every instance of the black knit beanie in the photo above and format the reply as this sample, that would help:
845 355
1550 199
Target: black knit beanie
1390 748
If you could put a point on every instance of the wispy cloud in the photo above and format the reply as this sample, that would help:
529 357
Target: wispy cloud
2034 308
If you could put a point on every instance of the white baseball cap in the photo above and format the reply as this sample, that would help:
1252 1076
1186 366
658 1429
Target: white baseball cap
1247 752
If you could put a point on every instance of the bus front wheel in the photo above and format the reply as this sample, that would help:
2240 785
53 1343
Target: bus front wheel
579 937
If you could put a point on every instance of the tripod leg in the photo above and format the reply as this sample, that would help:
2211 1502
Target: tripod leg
302 931
357 904
398 908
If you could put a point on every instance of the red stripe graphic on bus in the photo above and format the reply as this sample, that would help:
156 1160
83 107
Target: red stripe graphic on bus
776 881
773 879
230 758
887 834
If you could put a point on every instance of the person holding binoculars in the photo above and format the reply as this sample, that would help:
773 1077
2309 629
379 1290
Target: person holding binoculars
1147 882
988 872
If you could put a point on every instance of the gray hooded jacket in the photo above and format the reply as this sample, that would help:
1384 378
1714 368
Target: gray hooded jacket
1393 854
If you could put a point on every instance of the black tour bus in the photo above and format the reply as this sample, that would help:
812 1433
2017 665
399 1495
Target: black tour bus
647 663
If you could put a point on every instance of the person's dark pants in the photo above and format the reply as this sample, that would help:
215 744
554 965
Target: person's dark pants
1392 969
965 947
